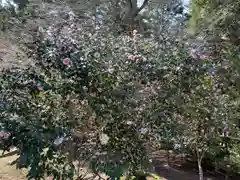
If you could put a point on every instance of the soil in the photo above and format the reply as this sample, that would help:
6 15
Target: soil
178 170
11 55
8 172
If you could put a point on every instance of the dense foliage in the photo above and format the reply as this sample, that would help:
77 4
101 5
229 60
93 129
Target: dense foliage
108 98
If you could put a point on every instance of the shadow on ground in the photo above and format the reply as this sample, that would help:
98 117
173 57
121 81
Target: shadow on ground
9 154
179 170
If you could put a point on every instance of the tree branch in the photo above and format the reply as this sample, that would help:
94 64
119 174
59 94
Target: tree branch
130 4
145 2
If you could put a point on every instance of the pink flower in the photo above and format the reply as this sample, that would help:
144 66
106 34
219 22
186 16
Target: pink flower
203 57
193 53
66 61
40 87
131 57
4 135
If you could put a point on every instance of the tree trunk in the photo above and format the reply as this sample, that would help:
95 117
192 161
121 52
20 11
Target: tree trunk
226 176
168 159
200 170
200 154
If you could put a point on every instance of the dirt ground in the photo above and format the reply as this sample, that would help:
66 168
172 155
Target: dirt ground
11 55
175 172
8 172
182 169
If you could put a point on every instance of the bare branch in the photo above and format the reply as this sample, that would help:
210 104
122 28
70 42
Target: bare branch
141 8
130 4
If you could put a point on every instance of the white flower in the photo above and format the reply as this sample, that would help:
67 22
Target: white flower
58 141
103 139
97 55
110 70
135 32
14 117
224 37
129 122
143 130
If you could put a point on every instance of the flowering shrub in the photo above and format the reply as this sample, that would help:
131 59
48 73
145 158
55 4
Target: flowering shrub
109 100
88 82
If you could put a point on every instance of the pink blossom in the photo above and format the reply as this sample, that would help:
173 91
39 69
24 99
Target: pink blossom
66 61
132 57
203 57
4 135
40 87
193 53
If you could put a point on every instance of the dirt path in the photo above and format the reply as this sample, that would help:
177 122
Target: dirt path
8 172
174 172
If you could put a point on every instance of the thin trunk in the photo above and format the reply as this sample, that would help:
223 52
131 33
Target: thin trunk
200 169
200 155
168 156
133 8
182 158
226 176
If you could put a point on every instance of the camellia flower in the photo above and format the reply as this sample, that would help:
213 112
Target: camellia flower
131 57
58 141
66 61
129 122
4 134
103 138
135 32
110 70
193 53
134 35
40 87
203 57
143 130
